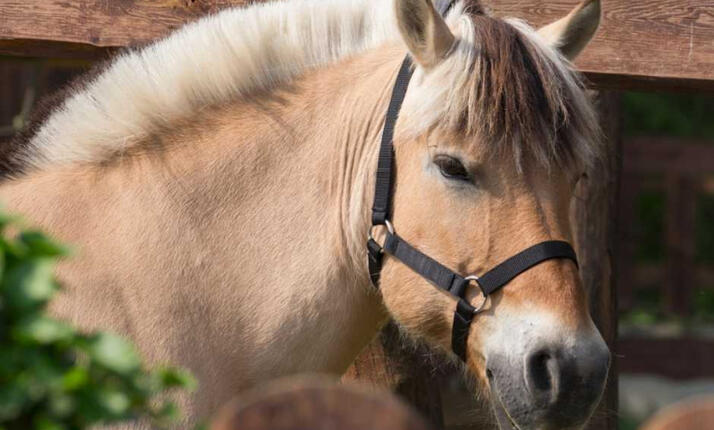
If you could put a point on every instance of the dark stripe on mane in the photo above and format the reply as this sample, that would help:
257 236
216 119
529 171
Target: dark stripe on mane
520 101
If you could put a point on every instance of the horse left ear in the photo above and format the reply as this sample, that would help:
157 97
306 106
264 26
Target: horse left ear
424 31
572 33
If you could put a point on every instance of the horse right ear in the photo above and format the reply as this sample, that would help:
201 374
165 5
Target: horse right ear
424 31
571 33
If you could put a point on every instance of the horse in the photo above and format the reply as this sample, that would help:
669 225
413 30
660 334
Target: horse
217 187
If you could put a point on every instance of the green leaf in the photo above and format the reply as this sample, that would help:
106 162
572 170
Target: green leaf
114 353
6 219
12 399
44 423
115 403
42 246
61 405
172 378
53 377
42 329
2 258
29 284
168 414
75 378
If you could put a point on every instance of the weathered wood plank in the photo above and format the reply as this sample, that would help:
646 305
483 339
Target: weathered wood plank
662 44
93 28
669 154
594 215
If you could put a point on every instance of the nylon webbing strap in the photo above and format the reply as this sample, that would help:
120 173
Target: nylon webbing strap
463 316
383 186
524 260
496 278
430 269
426 266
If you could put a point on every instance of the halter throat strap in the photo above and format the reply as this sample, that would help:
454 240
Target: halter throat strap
436 273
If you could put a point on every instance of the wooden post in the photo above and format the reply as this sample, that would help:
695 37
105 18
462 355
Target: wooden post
594 215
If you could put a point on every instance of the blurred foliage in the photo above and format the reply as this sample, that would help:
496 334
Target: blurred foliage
704 305
705 229
655 114
53 377
649 230
648 307
626 423
683 115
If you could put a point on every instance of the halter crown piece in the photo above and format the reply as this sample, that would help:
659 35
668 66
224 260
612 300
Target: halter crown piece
433 271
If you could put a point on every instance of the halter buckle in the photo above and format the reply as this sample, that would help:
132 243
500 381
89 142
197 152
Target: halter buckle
480 307
387 223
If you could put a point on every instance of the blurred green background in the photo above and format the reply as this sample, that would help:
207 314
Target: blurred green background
691 117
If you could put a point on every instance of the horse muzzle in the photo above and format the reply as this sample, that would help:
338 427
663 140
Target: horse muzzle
550 386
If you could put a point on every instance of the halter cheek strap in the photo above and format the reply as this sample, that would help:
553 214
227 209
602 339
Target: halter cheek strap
430 269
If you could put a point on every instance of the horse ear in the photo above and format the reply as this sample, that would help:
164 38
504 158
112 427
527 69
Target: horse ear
424 31
573 32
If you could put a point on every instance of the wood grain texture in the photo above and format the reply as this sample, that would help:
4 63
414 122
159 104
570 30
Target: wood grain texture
93 28
648 44
594 216
657 155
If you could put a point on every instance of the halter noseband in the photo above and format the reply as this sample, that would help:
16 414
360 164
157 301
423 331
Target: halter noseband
428 268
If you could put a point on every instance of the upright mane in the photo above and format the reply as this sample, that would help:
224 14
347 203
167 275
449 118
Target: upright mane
215 60
502 83
509 89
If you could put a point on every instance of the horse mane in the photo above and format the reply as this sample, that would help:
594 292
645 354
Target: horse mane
509 90
227 56
217 59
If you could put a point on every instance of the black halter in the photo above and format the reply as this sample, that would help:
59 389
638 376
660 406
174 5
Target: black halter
430 269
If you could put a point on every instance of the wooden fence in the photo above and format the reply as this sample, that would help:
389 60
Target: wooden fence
653 44
682 170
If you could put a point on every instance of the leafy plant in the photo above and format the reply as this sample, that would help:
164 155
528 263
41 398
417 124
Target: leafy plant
53 377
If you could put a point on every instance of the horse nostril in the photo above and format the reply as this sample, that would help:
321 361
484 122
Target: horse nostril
541 374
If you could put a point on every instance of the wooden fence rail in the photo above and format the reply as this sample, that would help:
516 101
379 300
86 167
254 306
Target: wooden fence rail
662 44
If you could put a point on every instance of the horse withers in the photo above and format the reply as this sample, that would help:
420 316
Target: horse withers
218 184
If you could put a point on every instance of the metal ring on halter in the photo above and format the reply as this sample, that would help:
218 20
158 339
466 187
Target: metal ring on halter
485 297
387 223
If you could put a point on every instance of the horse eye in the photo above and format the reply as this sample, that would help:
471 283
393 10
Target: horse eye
452 168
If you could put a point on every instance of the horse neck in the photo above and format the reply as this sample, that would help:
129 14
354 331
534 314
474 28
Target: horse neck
324 132
277 197
304 159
